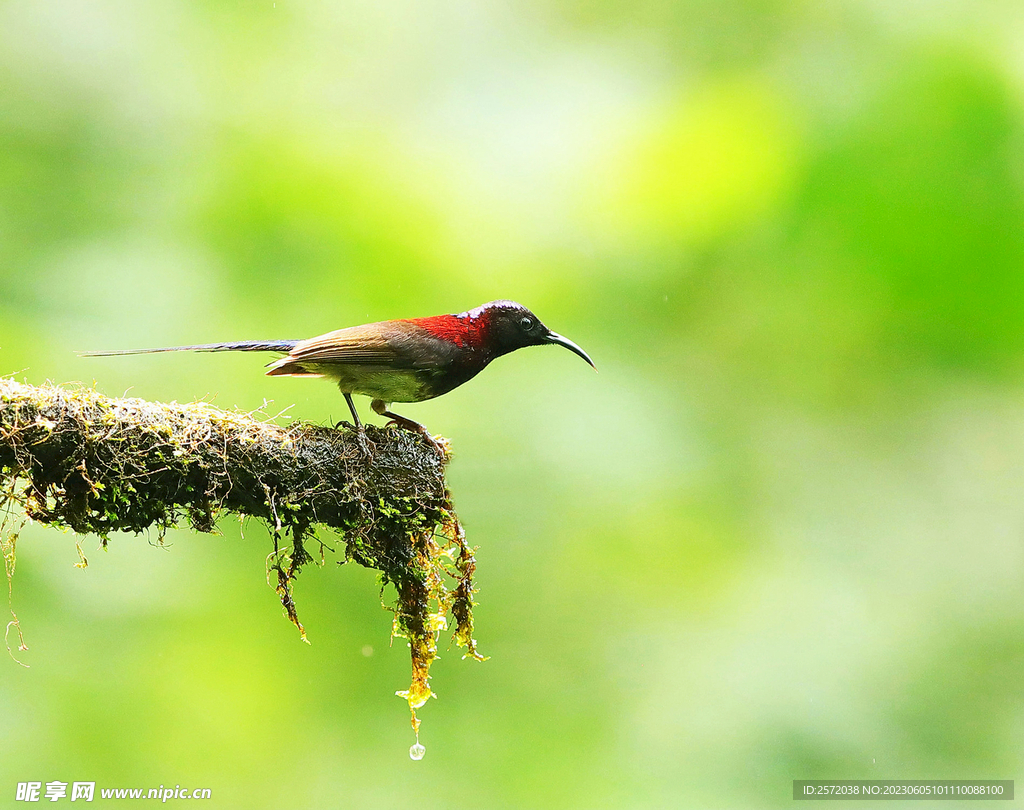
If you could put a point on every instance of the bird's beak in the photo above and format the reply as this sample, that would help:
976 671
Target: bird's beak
553 337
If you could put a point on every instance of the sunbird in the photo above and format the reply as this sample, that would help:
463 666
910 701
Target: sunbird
405 360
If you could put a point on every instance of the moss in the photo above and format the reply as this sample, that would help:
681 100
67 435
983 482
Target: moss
72 458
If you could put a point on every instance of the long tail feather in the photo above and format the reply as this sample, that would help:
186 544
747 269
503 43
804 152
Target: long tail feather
241 346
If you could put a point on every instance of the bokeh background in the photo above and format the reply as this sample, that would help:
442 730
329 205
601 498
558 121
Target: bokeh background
780 535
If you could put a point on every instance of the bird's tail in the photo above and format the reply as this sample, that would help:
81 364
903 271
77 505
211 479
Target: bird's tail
284 346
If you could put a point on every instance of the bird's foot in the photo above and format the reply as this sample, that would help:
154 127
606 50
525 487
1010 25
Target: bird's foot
438 443
367 446
359 430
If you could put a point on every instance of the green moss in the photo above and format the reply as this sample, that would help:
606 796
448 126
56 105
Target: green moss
74 459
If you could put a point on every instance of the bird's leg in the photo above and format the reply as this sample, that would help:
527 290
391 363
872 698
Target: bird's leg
364 441
352 408
355 416
379 406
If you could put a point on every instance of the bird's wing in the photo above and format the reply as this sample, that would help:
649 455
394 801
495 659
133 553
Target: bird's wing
371 344
356 344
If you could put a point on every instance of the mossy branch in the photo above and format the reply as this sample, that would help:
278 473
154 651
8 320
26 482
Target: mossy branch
73 458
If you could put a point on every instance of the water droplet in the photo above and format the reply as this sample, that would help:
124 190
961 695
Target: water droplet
417 751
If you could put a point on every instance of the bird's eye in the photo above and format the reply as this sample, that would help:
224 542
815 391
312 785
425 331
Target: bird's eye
526 324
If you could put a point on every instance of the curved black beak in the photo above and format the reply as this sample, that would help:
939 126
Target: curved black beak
553 337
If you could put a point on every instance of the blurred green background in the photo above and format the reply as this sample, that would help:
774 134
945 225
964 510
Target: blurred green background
780 535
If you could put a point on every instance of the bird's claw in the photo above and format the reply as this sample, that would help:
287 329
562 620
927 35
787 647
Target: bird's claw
440 446
365 444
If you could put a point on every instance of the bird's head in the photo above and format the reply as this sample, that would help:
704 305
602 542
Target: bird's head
510 326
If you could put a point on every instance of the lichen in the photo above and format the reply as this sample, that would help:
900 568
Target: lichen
74 459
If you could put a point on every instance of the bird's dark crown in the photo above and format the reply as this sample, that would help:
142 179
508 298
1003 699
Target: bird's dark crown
508 325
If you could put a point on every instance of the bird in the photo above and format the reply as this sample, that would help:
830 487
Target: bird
404 360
